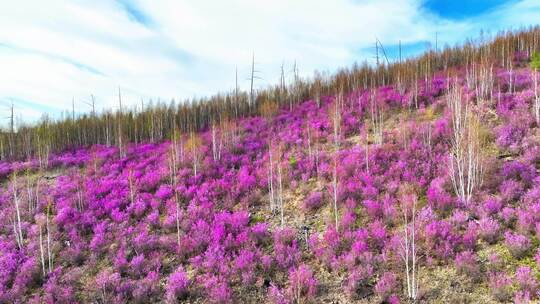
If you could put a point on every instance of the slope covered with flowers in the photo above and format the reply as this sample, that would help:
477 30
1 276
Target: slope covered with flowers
203 222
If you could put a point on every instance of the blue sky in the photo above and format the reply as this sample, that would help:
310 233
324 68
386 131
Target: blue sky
456 10
54 51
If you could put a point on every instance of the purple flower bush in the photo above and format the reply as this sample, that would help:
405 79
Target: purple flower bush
386 285
314 201
500 286
467 264
517 244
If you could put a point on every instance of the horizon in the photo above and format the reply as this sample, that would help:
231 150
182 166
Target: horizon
57 53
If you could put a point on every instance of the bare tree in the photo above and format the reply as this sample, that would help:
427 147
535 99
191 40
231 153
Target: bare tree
17 223
409 249
11 133
119 113
271 179
132 190
193 145
376 120
283 89
536 99
173 165
280 185
336 122
252 79
41 249
50 256
73 109
466 162
215 155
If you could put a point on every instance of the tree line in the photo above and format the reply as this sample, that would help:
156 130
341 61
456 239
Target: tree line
154 122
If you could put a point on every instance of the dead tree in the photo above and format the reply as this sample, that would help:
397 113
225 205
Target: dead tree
214 142
173 165
280 185
283 89
271 191
73 109
41 249
11 133
17 227
50 257
132 190
536 99
336 122
193 145
252 79
119 118
376 120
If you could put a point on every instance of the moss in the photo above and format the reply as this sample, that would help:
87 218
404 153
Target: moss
292 161
535 61
257 218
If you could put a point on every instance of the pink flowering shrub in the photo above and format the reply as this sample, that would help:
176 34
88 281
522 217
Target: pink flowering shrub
302 285
467 263
517 244
313 201
177 286
488 229
526 279
386 285
500 286
286 248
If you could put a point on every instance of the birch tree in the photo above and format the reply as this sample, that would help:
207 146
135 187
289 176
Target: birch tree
536 106
17 227
335 115
376 120
193 144
173 165
409 248
465 151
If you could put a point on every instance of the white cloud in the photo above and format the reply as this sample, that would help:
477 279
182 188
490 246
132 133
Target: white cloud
53 51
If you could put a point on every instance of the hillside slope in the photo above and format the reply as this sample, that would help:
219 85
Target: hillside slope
309 205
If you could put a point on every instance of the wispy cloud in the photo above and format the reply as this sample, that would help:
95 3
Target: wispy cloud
55 51
134 13
51 56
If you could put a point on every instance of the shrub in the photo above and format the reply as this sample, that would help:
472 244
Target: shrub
494 262
314 201
357 279
522 297
488 229
164 192
500 286
508 215
466 264
286 250
276 295
438 197
373 208
517 244
302 285
525 279
492 206
177 285
537 258
217 290
386 285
